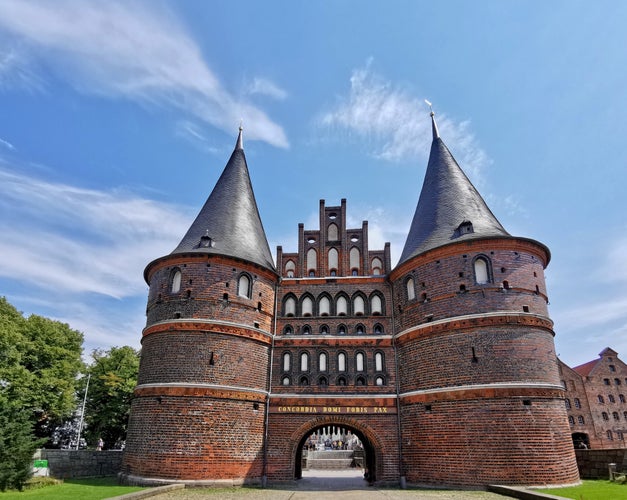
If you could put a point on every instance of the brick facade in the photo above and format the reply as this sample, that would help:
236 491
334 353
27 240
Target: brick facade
443 366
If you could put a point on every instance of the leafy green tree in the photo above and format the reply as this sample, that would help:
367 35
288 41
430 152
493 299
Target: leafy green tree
40 360
113 380
17 443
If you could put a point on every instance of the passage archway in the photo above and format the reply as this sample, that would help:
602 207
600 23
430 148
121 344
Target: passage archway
340 446
581 440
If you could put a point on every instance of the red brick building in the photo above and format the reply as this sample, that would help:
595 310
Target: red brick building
443 365
595 401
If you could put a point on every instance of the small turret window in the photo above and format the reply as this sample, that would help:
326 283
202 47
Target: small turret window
243 286
411 291
482 271
175 286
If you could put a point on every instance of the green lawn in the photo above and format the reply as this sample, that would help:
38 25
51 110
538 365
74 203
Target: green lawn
591 490
83 489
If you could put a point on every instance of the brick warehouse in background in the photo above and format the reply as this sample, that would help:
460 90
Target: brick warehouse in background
443 365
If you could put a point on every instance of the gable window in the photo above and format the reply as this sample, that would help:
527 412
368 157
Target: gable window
324 307
175 286
332 233
287 362
290 268
358 306
341 362
307 306
342 306
290 306
333 259
354 258
359 362
312 261
376 305
376 266
322 362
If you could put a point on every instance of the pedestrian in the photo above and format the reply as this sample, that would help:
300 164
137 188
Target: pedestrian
100 444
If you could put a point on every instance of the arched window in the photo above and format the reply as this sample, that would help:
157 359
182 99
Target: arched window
482 271
342 306
571 420
333 259
577 403
341 330
290 306
580 419
332 233
379 381
341 381
360 381
376 305
378 362
354 258
175 286
288 330
341 362
324 306
306 330
290 267
322 362
378 329
324 329
359 362
243 286
358 306
287 362
322 381
312 261
376 265
304 381
605 415
286 381
600 399
360 329
304 362
567 402
307 306
611 398
615 415
411 289
621 398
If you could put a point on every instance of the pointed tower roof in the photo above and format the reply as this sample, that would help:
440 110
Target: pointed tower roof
229 222
449 208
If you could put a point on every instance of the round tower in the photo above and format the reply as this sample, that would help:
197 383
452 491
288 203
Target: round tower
480 396
199 409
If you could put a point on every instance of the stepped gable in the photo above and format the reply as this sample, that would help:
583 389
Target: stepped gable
229 223
450 208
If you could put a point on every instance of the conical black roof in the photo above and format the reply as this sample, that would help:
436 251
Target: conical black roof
449 208
229 223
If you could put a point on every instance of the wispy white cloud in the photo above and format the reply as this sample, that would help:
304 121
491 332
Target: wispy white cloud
265 87
136 50
76 240
7 144
395 124
193 134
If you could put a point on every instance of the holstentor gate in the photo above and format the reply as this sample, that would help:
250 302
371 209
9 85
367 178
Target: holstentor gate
444 365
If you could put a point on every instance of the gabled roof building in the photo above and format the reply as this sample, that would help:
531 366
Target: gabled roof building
443 365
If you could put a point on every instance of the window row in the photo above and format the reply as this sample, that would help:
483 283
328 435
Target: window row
354 260
615 415
576 401
619 435
617 381
610 398
326 330
323 359
341 305
244 283
323 380
580 420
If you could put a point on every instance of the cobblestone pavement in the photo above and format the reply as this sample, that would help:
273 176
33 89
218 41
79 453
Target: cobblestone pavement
325 486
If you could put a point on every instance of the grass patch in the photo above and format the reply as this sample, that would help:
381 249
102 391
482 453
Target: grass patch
84 489
591 490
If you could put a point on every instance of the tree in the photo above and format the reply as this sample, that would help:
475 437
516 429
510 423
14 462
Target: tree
113 380
17 443
40 360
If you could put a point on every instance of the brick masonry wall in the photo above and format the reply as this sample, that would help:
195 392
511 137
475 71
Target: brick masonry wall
195 438
439 274
69 464
482 441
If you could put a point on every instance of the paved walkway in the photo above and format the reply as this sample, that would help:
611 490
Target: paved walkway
324 485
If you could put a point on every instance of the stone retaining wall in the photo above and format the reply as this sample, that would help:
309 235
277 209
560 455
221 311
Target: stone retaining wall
594 464
68 464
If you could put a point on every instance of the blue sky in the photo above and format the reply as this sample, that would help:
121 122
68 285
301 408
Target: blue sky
116 120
